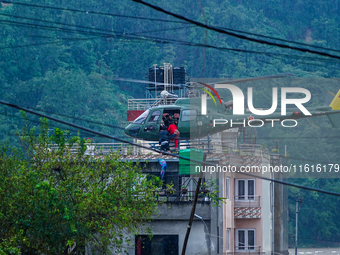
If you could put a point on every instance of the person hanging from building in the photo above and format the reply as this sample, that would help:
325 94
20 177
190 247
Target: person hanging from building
162 162
164 139
174 131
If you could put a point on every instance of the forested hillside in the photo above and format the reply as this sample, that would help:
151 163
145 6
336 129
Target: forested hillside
61 57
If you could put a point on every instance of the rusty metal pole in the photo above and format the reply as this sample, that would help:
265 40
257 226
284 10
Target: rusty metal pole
193 208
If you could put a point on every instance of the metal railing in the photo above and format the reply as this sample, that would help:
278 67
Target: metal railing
198 144
95 149
245 150
143 104
140 104
246 250
247 201
180 196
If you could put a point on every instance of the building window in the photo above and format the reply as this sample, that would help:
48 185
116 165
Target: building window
245 239
157 245
228 239
227 188
245 189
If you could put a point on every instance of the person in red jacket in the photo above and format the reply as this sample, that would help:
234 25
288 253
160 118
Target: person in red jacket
173 130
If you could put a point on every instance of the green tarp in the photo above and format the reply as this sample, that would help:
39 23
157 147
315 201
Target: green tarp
185 167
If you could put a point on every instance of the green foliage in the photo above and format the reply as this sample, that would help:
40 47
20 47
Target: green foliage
211 190
318 217
52 198
169 188
71 72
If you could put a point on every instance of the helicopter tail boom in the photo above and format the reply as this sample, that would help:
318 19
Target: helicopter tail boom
334 119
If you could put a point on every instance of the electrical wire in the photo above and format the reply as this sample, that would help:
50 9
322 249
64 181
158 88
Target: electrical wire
182 43
162 20
321 240
122 35
311 160
205 43
159 151
205 39
279 39
92 28
157 8
162 41
81 119
123 128
30 120
91 12
298 137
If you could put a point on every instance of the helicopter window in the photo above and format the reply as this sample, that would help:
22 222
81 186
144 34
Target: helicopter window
134 131
155 117
151 128
141 119
188 115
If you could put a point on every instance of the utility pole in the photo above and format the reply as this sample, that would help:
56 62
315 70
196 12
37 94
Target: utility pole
276 146
298 207
193 209
155 67
279 205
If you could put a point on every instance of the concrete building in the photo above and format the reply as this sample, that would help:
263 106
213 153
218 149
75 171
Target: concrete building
243 224
247 213
253 218
170 223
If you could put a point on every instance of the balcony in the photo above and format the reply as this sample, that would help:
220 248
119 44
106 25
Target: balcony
248 250
247 207
247 201
182 196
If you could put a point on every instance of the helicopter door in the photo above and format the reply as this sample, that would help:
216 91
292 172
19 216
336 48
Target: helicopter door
152 124
188 123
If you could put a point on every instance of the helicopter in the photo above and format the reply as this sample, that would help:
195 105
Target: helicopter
196 122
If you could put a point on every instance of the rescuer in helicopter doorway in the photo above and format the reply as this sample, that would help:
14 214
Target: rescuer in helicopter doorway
164 138
174 131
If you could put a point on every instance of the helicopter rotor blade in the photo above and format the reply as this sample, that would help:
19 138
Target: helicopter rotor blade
312 124
197 84
149 82
254 78
331 93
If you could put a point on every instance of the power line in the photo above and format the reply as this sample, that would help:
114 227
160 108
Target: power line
298 137
91 12
72 117
187 44
122 128
129 35
311 160
13 116
162 20
158 151
122 35
67 116
92 28
157 8
279 39
98 35
321 240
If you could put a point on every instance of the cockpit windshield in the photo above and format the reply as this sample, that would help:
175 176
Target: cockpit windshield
141 119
